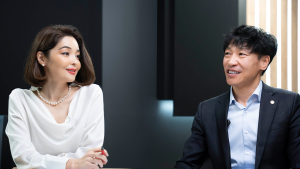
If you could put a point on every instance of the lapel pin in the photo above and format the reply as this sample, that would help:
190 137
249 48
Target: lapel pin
272 102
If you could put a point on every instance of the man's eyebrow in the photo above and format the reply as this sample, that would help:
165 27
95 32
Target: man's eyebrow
228 48
245 48
241 48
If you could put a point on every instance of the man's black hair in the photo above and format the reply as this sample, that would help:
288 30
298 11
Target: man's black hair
256 39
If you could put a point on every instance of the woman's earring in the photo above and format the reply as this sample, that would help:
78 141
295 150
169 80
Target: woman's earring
43 64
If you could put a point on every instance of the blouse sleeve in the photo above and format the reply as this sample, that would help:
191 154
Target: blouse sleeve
22 149
94 128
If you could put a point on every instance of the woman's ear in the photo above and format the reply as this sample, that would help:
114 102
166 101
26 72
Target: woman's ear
41 58
265 60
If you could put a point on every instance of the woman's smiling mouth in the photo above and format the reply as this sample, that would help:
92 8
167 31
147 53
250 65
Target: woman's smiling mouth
72 70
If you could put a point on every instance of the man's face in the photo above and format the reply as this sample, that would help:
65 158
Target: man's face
242 68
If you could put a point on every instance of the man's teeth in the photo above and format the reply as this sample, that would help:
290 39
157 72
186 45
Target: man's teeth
233 72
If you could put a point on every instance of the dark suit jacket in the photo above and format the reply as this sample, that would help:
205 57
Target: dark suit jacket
278 136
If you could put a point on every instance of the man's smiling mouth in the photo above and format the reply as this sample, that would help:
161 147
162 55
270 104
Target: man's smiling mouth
233 72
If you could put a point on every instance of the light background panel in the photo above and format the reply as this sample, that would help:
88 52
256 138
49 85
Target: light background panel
283 21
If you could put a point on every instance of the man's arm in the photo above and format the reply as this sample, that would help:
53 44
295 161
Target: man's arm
195 147
293 147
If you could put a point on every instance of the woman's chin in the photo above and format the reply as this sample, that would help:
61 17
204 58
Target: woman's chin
70 80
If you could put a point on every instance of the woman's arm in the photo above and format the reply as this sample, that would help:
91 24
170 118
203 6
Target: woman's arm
22 149
94 128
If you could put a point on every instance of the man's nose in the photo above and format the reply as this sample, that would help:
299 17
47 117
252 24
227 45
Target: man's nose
233 60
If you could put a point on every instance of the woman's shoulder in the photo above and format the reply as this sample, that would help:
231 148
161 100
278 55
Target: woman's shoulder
19 95
18 92
91 92
92 88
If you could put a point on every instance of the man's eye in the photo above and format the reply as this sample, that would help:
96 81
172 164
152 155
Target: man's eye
227 53
65 53
242 54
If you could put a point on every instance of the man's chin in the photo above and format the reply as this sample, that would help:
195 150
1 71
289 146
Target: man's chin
232 83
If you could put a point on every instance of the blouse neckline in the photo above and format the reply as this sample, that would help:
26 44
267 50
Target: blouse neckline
33 88
38 100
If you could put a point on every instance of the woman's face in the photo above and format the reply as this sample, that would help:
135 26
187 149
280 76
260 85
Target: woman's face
63 63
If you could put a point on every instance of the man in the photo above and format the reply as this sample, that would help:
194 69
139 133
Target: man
252 126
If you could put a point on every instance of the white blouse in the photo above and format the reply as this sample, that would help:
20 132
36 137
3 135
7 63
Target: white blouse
38 141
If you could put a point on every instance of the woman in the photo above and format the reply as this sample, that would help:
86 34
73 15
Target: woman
59 122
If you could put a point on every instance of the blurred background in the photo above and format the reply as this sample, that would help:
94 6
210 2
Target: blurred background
155 61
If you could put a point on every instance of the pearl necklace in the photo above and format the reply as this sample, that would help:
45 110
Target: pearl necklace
54 103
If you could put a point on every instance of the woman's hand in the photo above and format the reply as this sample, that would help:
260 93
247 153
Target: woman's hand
90 160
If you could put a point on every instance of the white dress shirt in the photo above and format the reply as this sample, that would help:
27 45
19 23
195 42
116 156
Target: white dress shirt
38 141
242 130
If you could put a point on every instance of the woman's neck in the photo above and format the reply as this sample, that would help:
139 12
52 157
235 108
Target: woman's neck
54 91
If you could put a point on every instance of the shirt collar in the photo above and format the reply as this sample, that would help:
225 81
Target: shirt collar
257 92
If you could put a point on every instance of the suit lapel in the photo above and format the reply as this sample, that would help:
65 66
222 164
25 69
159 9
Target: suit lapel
266 114
221 117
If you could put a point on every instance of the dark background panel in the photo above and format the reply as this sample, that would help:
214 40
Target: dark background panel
140 131
198 64
22 20
165 49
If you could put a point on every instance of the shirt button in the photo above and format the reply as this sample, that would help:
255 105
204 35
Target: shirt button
246 132
246 112
247 153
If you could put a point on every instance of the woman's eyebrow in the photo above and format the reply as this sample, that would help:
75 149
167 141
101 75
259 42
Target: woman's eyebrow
68 48
65 47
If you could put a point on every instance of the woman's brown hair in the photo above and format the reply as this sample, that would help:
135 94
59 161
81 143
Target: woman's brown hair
46 40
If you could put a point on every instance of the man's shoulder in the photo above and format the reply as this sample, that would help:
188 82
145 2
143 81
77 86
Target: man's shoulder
285 98
215 100
283 93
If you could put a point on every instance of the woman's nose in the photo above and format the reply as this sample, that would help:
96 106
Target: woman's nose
73 59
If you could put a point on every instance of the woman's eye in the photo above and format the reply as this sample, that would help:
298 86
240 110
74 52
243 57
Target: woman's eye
242 54
227 53
65 53
78 56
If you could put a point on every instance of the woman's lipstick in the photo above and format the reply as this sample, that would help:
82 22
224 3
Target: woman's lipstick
71 70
